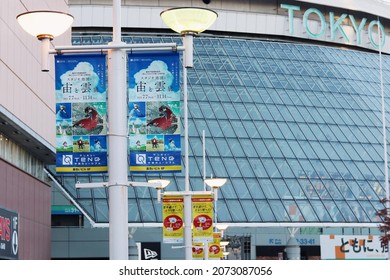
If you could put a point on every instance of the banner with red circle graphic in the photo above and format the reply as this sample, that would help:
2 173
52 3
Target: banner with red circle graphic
202 215
173 212
215 250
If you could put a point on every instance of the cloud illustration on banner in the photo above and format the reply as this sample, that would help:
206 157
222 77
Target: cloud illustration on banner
77 75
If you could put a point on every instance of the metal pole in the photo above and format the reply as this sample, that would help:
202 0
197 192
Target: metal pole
117 144
187 198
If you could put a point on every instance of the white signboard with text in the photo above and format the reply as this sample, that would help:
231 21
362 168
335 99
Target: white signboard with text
352 247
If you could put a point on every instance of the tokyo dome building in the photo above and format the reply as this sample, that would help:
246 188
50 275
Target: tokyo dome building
284 101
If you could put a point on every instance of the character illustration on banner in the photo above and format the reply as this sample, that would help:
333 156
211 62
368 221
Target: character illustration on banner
63 112
165 123
90 123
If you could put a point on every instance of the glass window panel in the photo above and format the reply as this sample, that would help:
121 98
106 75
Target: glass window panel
295 188
215 128
196 146
371 152
309 151
239 129
271 168
227 191
209 92
319 168
206 109
133 211
147 210
286 131
294 214
240 185
223 147
258 168
194 168
218 168
227 128
294 111
255 189
265 210
325 150
142 192
297 149
223 212
338 133
373 135
273 127
282 189
251 211
232 168
273 148
230 110
268 189
284 168
358 211
248 148
346 212
245 167
238 214
251 129
279 211
308 212
370 170
235 146
253 112
260 147
285 149
263 130
320 211
101 206
265 113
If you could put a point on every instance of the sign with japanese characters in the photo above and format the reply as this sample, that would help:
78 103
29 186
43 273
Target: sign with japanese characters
215 250
81 113
154 112
202 218
335 247
197 251
9 235
173 221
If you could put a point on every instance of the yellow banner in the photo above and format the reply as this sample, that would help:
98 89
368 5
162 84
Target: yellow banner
82 169
215 250
173 212
202 223
155 168
197 251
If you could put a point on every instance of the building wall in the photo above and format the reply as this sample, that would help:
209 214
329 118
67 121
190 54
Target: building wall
30 198
27 93
286 19
27 99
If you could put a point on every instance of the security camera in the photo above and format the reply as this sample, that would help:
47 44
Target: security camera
206 1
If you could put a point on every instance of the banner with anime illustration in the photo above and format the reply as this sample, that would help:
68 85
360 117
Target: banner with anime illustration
81 113
154 112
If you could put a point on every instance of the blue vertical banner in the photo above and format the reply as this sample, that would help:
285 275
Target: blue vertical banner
81 113
154 112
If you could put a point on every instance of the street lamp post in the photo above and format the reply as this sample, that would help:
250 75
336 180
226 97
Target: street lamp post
45 25
187 22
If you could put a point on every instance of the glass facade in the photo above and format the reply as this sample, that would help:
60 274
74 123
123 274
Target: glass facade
296 129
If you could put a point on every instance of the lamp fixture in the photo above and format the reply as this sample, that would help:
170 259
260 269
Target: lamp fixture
45 25
162 185
215 183
188 21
